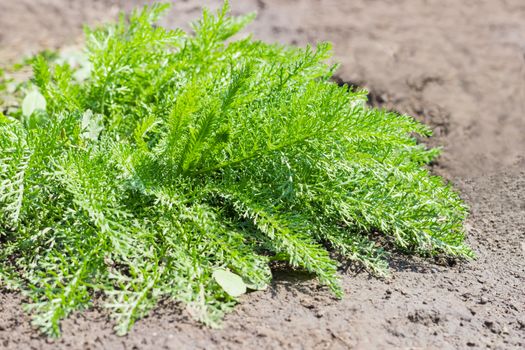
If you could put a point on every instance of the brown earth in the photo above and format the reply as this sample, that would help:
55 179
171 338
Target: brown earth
457 65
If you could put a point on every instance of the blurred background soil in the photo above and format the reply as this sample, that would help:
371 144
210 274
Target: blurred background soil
459 66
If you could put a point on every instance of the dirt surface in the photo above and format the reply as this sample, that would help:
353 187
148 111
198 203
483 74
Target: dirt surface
457 65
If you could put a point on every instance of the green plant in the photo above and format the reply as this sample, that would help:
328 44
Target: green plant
179 166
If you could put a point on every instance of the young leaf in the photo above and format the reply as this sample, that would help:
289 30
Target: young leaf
34 101
230 282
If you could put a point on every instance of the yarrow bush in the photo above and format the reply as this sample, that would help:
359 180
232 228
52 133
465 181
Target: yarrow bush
178 166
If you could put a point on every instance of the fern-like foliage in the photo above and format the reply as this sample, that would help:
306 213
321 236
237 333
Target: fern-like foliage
14 159
180 154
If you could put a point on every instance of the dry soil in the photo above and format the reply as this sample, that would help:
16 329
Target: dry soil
457 65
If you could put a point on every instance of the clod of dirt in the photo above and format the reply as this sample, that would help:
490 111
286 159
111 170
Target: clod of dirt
425 317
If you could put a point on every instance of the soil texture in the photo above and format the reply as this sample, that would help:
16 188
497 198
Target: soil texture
459 66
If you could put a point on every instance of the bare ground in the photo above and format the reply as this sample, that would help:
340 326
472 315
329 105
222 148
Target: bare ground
457 65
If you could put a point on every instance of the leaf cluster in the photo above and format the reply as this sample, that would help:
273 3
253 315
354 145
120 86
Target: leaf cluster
171 165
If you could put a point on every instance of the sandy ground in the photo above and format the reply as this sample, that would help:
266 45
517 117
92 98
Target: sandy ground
457 65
